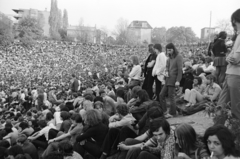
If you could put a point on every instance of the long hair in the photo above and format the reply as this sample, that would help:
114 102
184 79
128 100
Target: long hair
187 138
143 96
226 138
175 51
93 117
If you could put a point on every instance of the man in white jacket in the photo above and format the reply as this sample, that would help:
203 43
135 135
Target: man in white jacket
159 69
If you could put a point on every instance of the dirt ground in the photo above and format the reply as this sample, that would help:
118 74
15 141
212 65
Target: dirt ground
199 121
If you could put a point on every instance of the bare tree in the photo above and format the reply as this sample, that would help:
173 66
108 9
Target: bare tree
225 25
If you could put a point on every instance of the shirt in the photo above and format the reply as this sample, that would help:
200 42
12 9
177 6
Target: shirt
45 130
135 72
160 66
231 68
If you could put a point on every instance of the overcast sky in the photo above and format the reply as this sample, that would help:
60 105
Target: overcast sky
158 13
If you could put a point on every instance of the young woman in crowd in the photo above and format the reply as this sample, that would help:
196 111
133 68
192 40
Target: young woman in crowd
173 78
188 147
135 74
92 138
196 93
221 143
219 51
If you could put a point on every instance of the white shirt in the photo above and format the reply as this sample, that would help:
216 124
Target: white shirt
46 129
160 65
210 68
135 72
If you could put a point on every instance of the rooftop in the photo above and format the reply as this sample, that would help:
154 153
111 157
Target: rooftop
140 24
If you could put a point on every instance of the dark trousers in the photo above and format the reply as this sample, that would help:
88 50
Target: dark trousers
90 146
170 91
145 154
148 84
129 141
39 143
158 87
111 138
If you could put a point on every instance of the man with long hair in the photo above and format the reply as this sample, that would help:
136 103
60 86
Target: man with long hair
173 78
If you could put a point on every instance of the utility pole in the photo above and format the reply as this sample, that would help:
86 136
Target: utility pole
210 30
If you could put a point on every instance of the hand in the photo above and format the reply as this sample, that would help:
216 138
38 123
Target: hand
183 155
82 142
30 138
50 141
231 60
177 84
122 147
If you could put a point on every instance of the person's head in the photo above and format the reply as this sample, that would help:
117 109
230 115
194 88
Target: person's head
66 148
42 123
23 125
98 99
14 151
64 115
220 141
171 50
158 48
199 70
92 117
49 116
151 49
122 110
235 19
8 127
87 105
102 93
210 79
186 138
160 128
134 60
222 35
197 81
208 61
142 95
154 112
98 106
120 93
22 138
135 91
5 144
76 118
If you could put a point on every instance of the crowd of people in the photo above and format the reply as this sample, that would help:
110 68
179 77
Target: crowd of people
70 100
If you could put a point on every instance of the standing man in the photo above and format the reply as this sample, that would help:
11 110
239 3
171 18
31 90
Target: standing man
173 78
149 64
159 69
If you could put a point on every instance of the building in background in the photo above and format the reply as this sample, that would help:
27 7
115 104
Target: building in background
207 33
141 30
86 34
39 15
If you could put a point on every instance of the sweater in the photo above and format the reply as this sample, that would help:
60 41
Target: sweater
174 69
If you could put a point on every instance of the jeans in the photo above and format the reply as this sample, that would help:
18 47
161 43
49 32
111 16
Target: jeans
230 93
170 91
